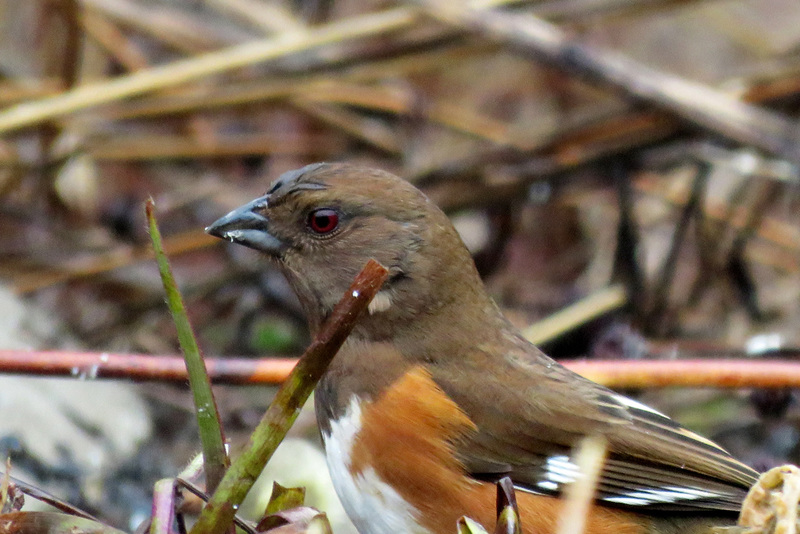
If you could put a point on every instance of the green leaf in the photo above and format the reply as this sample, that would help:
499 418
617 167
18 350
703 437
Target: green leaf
284 498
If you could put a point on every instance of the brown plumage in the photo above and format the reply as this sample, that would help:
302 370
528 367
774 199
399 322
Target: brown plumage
480 401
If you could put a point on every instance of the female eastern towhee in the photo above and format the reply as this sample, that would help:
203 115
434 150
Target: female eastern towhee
435 395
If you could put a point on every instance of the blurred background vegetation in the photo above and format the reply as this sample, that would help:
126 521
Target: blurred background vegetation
673 178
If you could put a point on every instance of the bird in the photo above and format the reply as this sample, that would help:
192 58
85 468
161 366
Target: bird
435 395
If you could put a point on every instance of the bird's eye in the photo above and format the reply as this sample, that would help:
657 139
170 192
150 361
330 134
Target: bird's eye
323 221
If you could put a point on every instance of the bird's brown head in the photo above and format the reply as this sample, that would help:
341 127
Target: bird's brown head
323 222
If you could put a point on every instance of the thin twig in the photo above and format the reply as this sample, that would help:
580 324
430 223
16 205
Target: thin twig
203 496
623 374
47 498
179 72
579 313
626 264
691 101
663 282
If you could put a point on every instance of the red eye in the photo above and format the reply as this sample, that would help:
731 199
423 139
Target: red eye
323 221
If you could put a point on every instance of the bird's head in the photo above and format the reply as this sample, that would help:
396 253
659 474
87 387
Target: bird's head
323 222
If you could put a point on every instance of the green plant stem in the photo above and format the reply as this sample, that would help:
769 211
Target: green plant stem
218 513
215 457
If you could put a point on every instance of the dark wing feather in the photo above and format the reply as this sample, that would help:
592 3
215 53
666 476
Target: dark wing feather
697 452
533 411
630 483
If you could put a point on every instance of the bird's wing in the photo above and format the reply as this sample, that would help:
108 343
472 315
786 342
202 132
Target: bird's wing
534 411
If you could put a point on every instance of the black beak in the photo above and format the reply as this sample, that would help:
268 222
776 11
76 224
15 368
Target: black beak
248 227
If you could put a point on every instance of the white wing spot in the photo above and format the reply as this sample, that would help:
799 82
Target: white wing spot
547 485
560 470
667 494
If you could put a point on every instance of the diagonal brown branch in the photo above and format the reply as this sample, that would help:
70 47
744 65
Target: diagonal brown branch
691 101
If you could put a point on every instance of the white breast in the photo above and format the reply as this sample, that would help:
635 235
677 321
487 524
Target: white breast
373 505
